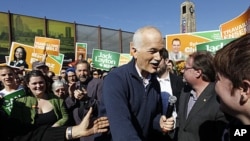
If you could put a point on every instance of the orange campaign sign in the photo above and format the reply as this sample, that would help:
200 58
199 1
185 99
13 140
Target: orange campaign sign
21 56
44 45
236 27
81 51
124 58
185 43
55 63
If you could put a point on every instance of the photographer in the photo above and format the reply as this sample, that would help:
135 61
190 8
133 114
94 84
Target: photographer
87 91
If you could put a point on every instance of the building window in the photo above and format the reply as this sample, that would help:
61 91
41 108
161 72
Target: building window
183 9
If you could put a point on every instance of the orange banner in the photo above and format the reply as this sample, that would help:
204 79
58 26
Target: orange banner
180 46
124 58
21 55
236 27
81 51
44 45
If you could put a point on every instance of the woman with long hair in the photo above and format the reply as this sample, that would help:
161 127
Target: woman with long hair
19 58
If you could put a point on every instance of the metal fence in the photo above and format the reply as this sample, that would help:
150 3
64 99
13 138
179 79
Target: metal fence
23 29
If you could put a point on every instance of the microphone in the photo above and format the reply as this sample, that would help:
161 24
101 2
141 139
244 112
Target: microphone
171 102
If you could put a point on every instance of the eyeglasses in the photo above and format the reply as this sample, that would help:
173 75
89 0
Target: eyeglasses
58 90
95 73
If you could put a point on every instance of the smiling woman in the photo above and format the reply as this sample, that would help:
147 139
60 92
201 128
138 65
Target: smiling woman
19 58
44 107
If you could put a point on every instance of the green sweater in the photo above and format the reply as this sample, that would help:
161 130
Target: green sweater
23 109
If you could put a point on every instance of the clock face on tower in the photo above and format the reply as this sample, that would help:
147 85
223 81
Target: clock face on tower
191 10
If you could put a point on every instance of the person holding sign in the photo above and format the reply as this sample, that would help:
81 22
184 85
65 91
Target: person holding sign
19 58
7 77
10 91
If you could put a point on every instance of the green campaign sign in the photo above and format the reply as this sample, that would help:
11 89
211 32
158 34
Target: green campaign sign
213 46
211 35
104 60
8 100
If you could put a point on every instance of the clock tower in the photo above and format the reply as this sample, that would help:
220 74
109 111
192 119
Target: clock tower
187 19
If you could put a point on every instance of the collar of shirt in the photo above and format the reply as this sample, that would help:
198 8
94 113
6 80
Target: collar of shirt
193 94
18 62
163 79
145 80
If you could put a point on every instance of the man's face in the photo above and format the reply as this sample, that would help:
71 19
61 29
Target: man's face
229 97
162 66
189 73
148 55
176 46
63 73
82 72
95 74
169 66
7 77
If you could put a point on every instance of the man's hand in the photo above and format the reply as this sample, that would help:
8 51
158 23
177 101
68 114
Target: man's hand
87 127
166 124
78 94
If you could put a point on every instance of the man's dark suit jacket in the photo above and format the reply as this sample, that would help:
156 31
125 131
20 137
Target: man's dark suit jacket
205 121
177 84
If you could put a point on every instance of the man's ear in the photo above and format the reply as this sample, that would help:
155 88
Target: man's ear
166 61
133 50
245 92
246 86
198 73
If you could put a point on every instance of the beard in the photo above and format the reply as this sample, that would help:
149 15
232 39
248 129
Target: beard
83 79
161 70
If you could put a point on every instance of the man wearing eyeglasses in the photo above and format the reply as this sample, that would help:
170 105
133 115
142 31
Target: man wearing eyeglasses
199 117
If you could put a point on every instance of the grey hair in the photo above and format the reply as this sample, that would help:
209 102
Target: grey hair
137 38
58 83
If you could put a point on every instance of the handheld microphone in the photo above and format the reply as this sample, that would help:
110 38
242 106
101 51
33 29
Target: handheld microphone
171 102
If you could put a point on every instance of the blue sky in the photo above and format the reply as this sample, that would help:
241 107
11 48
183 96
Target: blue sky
129 15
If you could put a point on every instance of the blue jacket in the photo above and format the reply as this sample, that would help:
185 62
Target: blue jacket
133 110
